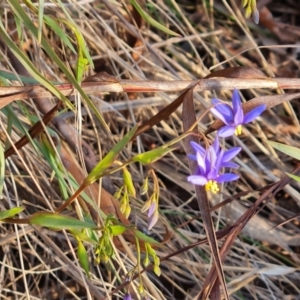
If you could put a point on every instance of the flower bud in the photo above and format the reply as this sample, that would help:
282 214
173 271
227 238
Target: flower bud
127 297
157 270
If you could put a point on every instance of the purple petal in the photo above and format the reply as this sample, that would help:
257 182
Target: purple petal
229 164
223 108
210 159
192 156
222 111
152 220
230 154
213 174
227 177
226 131
152 209
216 145
201 163
219 160
254 113
197 179
236 101
197 147
239 116
218 115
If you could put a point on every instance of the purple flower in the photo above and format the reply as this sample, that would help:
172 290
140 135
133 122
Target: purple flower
227 155
233 117
210 162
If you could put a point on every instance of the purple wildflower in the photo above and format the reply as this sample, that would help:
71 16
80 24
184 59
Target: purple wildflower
227 155
210 162
233 117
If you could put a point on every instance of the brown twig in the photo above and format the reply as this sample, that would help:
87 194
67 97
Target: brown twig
13 93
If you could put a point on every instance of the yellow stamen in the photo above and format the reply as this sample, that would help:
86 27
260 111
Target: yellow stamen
212 186
238 130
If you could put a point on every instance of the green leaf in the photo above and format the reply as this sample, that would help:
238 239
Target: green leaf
152 155
19 27
84 58
58 30
83 258
145 238
96 173
79 235
288 150
57 221
10 212
81 66
80 40
150 20
117 229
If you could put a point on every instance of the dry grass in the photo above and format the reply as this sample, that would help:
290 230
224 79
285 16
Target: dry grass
38 263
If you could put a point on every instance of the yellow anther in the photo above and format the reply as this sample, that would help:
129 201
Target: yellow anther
238 130
212 186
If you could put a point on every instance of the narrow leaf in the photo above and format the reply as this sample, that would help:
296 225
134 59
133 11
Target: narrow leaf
36 129
96 173
152 155
145 238
11 212
57 221
84 237
150 20
83 258
288 150
57 29
161 115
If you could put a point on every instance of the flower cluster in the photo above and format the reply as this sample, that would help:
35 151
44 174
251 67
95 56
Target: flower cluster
210 161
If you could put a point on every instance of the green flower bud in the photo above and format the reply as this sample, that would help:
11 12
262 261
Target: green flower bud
141 289
127 211
146 261
157 270
156 260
